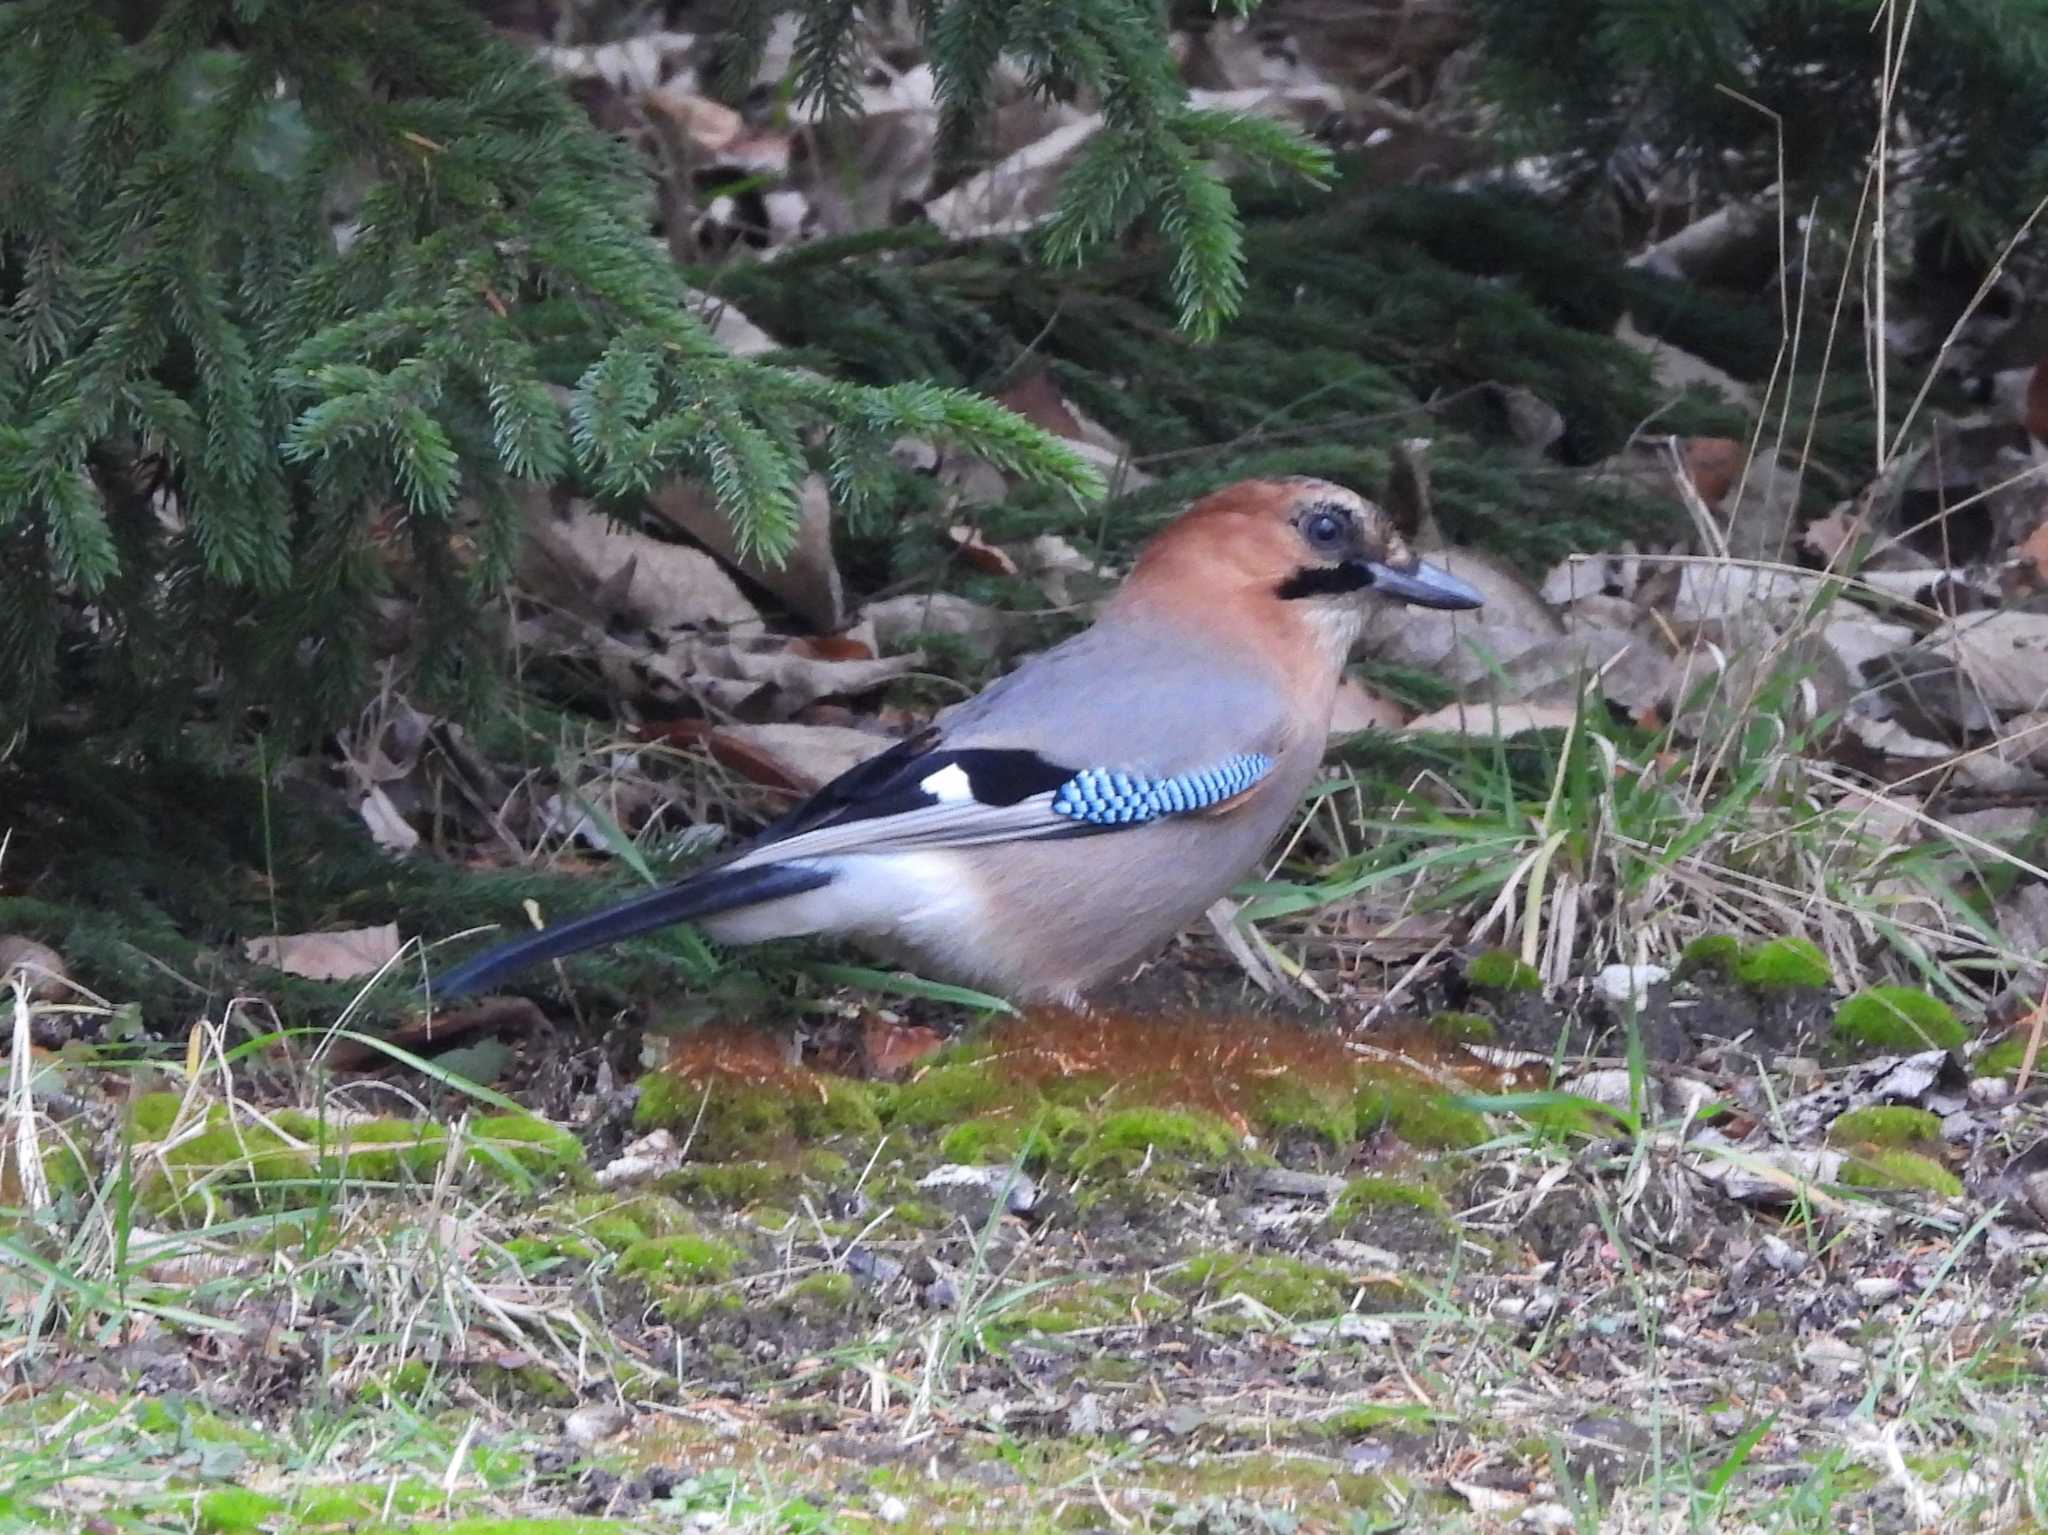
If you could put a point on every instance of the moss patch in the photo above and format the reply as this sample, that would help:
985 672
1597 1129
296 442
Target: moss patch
949 1093
1897 1018
1784 964
726 1117
1893 1168
1421 1115
1500 970
1172 1141
693 1258
1886 1125
1288 1286
1463 1029
1715 954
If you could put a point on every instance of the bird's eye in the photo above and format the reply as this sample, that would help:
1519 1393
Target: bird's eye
1323 530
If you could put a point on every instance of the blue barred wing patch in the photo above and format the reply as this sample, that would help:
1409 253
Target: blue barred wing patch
1101 797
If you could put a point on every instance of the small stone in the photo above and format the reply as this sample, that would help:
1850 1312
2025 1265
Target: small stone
595 1421
1797 1069
1781 1257
1020 1192
892 1510
1876 1289
1729 1421
1629 985
1990 1092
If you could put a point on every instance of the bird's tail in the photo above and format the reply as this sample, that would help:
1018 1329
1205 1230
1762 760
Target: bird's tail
704 895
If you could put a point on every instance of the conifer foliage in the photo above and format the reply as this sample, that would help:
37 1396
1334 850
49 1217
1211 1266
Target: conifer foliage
294 294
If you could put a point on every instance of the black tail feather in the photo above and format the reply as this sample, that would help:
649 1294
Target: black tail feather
704 895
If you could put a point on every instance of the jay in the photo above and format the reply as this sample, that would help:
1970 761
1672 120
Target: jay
1043 836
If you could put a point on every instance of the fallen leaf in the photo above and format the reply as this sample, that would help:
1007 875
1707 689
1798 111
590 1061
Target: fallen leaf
41 967
1713 464
808 581
968 543
708 125
389 829
1038 400
588 564
1827 537
901 621
891 1047
798 758
340 956
2034 548
1404 937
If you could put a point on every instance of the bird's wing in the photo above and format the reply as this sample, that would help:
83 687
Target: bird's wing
930 792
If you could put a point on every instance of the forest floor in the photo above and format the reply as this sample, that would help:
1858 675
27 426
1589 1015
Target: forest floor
1211 1270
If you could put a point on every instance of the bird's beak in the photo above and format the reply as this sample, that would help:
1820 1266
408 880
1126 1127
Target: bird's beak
1423 584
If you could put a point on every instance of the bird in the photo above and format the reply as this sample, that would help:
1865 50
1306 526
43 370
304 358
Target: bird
1042 837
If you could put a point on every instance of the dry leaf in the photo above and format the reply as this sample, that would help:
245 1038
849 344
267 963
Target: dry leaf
968 543
1713 464
584 562
341 956
799 758
41 967
389 829
708 125
891 1046
1379 936
899 621
808 581
1827 537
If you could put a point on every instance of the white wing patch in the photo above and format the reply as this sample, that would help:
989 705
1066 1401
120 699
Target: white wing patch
948 785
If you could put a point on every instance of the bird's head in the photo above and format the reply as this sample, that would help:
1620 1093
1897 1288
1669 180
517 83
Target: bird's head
1307 552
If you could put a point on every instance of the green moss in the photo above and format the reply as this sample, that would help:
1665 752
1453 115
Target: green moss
731 1185
1368 1196
1176 1142
1463 1028
824 1165
947 1094
1294 1289
153 1114
409 1381
819 1296
838 1106
687 1306
726 1120
1421 1116
607 1222
527 1385
536 1254
1886 1125
1077 1307
992 1138
1366 1418
532 1142
1500 970
1715 954
236 1511
1893 1168
672 1260
1564 1119
1287 1106
1784 964
1897 1018
2003 1059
